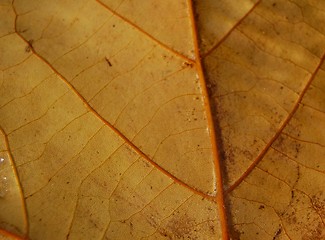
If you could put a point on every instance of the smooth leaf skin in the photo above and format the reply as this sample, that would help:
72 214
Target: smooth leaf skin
106 130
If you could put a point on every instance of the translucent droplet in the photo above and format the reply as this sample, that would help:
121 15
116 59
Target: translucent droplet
3 186
2 160
191 54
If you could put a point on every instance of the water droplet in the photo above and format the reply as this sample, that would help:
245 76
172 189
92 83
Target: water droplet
3 186
191 54
2 160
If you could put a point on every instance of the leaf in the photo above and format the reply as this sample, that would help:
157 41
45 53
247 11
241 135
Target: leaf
169 120
272 120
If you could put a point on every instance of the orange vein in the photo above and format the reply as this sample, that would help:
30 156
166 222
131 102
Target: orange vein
10 235
91 109
219 198
229 32
18 182
145 33
277 134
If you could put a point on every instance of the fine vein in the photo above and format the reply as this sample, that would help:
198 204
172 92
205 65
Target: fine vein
229 32
136 149
279 131
145 33
23 201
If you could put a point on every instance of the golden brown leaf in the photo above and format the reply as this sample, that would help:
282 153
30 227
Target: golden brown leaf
107 131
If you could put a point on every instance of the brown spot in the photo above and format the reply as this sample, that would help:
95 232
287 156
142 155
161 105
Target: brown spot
187 64
315 234
318 205
178 227
235 234
29 46
108 62
212 229
276 235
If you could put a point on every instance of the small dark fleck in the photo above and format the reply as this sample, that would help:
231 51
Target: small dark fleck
29 47
108 62
277 233
187 64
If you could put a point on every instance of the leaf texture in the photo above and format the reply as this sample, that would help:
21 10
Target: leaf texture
162 120
272 119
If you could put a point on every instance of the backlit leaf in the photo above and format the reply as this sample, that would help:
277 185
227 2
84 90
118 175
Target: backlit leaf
162 119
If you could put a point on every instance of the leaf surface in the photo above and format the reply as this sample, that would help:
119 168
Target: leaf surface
169 120
272 119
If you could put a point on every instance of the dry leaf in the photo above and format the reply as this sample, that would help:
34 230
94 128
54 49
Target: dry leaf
162 120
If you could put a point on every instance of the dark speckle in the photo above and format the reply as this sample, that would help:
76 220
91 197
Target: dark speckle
108 62
277 233
29 46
